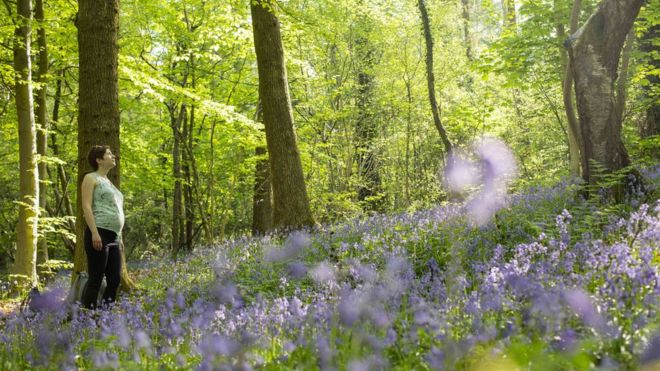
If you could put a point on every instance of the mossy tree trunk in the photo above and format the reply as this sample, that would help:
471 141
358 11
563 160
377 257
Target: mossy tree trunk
25 261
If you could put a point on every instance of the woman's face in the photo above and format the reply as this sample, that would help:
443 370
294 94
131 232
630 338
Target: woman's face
109 161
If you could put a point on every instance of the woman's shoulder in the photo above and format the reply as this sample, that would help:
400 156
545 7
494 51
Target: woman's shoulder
90 177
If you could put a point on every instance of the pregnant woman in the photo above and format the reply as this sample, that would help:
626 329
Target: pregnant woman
103 209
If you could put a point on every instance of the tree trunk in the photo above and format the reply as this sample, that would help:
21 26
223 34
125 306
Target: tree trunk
25 260
98 100
62 196
369 187
622 79
42 120
262 199
196 189
177 207
594 53
211 185
186 158
262 209
509 11
567 91
430 77
467 37
290 201
651 124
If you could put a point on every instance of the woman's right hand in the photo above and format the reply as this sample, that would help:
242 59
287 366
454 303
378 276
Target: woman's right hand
97 243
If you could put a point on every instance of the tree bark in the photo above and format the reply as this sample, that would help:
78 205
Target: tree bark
651 124
196 188
210 187
430 77
467 37
621 94
290 201
594 53
25 260
186 158
177 207
62 196
98 100
262 209
574 139
262 199
42 120
366 131
509 12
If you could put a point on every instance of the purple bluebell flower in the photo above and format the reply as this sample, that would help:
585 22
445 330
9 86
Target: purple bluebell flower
215 344
580 302
461 174
350 308
566 340
323 273
651 354
48 301
297 270
142 340
498 160
436 359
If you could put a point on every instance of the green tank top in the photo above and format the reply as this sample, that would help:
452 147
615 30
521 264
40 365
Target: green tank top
108 206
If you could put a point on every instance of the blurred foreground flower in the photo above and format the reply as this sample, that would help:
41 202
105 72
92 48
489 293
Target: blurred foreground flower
494 168
323 273
48 301
294 245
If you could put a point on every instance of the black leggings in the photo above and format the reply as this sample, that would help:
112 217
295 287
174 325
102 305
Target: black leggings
108 262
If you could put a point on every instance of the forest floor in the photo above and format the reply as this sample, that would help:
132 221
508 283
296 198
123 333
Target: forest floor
552 280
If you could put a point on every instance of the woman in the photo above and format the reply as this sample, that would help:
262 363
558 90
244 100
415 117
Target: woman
103 209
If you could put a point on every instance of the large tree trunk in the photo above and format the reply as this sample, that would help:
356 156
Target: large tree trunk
594 53
25 260
366 131
98 100
430 77
42 120
290 201
567 90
